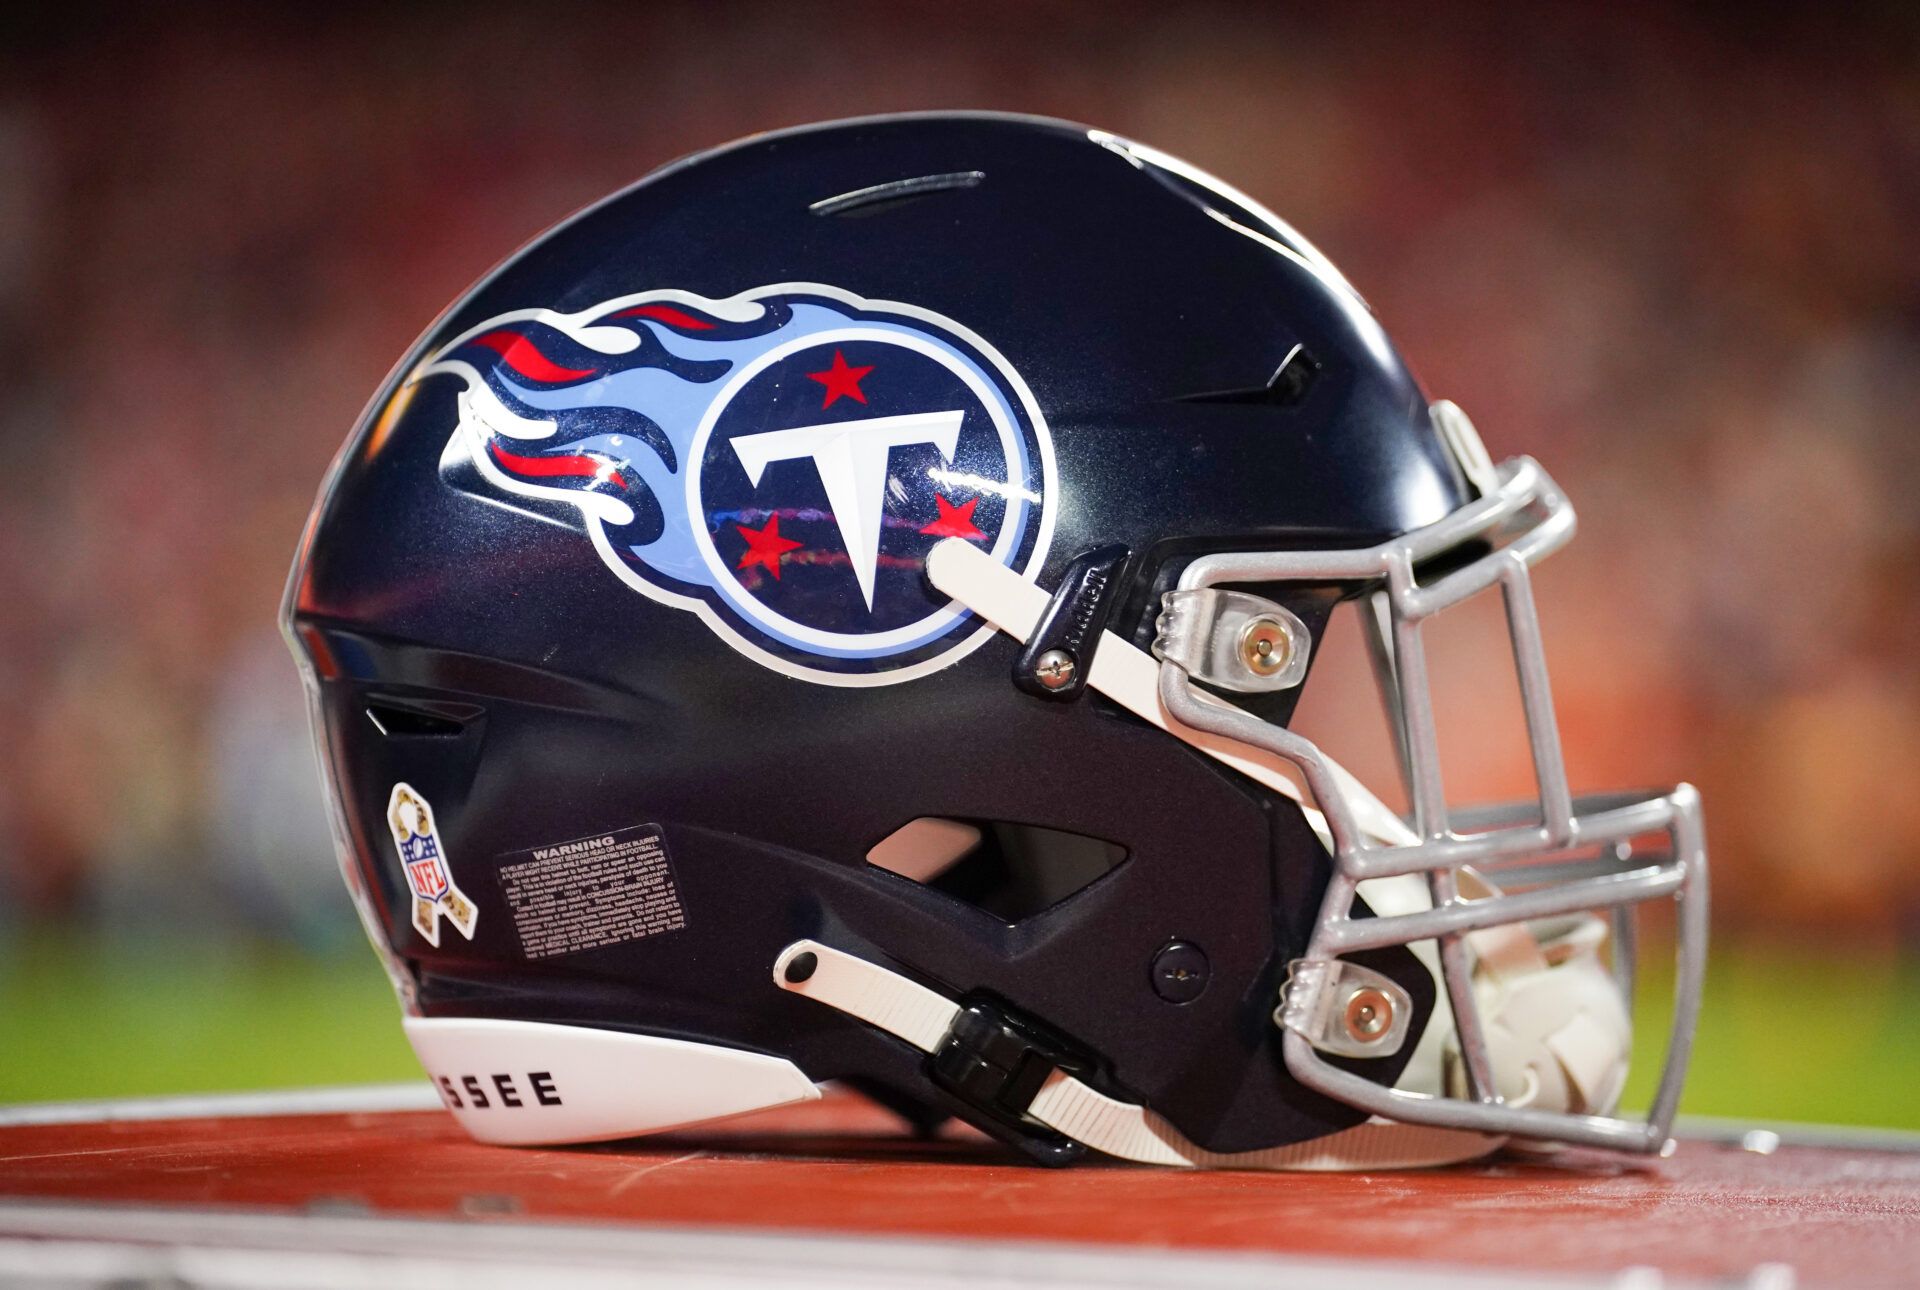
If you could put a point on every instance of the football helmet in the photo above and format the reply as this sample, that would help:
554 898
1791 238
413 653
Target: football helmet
835 610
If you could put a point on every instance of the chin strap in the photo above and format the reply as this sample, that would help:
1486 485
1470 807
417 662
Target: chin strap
1074 1109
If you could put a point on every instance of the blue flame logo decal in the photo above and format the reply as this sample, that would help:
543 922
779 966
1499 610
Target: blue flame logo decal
779 462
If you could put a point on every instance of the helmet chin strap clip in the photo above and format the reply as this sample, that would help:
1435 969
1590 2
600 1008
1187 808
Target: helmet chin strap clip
1057 658
998 1064
1032 1081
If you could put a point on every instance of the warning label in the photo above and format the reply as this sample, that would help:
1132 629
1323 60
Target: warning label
592 892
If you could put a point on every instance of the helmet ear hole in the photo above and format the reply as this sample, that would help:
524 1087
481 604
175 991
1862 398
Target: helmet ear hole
1005 869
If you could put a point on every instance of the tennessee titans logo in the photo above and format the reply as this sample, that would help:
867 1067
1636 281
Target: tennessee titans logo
779 462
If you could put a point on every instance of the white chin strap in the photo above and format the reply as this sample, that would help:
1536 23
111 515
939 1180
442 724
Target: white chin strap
908 1010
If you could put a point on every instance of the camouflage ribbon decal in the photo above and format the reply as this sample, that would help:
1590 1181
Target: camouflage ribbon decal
424 860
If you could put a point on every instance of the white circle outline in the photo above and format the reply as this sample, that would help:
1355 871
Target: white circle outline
765 615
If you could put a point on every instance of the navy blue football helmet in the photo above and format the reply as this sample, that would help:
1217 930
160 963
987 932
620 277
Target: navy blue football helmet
834 611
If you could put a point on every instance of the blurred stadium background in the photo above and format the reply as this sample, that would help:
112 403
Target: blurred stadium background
1672 254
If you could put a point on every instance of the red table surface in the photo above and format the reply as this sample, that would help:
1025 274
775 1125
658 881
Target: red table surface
1838 1216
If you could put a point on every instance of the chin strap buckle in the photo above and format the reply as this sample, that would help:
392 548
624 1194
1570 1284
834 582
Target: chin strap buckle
997 1063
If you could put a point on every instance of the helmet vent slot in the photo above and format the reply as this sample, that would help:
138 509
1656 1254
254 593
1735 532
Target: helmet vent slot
881 198
1286 388
400 720
1011 871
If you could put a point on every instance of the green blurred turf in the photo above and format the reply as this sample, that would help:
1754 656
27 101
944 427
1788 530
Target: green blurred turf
77 1022
1787 1034
1784 1036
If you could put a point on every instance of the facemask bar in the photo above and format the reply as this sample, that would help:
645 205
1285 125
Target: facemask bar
1525 516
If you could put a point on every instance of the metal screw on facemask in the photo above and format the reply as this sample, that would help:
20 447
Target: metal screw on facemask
1265 646
1369 1014
1054 669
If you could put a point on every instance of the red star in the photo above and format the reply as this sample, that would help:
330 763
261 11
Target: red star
840 379
766 546
954 521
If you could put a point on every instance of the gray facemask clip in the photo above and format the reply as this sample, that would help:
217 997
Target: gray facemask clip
1344 1009
1232 640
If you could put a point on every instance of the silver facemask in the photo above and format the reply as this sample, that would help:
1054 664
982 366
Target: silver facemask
1531 874
1524 911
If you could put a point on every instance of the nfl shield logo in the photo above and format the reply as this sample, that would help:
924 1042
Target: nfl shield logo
426 879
